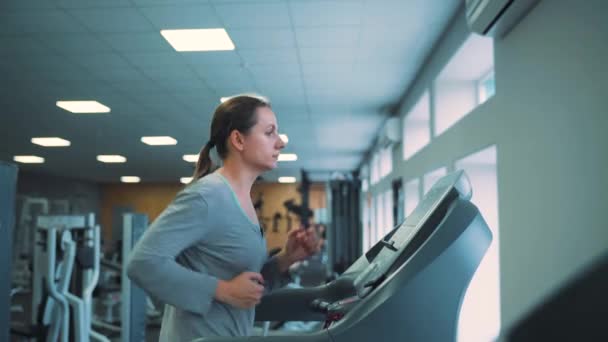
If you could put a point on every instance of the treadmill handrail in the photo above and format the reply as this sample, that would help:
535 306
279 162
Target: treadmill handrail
297 304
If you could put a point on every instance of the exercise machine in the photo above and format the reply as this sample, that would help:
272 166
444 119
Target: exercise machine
8 188
408 287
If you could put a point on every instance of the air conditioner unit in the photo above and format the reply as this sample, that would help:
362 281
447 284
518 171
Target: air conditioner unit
496 17
390 132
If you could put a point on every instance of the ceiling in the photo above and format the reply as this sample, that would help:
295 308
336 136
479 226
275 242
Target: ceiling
330 68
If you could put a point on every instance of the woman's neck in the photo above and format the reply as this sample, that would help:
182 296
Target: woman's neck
240 178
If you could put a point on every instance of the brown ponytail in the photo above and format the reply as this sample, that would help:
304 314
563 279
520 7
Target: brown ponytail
238 112
204 165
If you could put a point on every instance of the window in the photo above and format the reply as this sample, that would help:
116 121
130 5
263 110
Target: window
372 220
388 212
480 314
417 127
466 81
366 222
486 87
387 160
379 218
375 167
430 178
412 195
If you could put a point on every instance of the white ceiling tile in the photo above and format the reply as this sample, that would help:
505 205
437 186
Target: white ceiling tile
277 71
44 62
21 45
327 55
154 59
231 89
165 3
397 12
112 20
92 3
222 73
100 60
74 43
137 42
38 22
117 74
254 15
327 13
261 38
293 96
16 5
182 17
197 86
336 76
129 87
333 37
269 56
384 37
170 72
322 68
213 58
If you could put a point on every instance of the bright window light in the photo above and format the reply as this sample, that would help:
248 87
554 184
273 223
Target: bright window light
156 141
190 158
417 127
284 137
479 318
287 179
29 159
198 39
412 196
130 179
83 106
50 142
108 158
430 178
185 180
456 86
288 157
486 87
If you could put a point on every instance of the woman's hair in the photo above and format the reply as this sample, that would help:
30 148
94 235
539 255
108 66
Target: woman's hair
238 112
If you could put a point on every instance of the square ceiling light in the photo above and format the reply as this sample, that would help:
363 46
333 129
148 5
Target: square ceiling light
130 179
110 158
198 39
287 179
29 159
288 157
50 142
191 158
79 107
158 141
185 180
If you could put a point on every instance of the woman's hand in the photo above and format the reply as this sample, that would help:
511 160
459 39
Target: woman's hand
301 243
243 291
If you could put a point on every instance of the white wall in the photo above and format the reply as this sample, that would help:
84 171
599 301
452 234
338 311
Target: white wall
552 105
549 120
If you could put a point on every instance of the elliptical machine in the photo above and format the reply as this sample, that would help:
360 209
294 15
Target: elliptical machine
61 242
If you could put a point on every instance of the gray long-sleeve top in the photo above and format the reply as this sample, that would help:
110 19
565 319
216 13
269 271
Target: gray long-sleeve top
204 235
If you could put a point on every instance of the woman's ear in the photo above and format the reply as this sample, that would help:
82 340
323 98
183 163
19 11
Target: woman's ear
237 140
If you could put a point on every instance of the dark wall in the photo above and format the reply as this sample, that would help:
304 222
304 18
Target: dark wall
84 197
8 177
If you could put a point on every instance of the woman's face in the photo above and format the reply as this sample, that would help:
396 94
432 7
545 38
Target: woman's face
263 145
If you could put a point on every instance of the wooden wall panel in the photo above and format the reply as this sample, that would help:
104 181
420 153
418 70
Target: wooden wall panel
153 198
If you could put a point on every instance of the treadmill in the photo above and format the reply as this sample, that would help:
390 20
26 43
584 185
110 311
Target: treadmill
408 287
